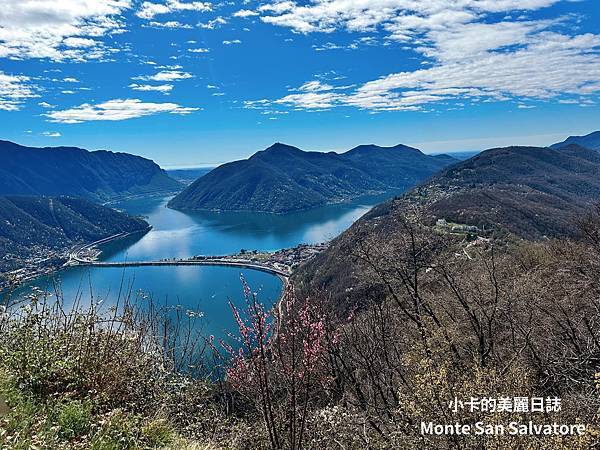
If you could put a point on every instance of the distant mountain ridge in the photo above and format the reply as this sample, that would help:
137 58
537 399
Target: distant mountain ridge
591 141
530 192
284 178
41 226
98 175
188 176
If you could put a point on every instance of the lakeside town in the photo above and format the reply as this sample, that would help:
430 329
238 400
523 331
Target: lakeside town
282 261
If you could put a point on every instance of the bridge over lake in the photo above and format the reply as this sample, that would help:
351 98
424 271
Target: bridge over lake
76 259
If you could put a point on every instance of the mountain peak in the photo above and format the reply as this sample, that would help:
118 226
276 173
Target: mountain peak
279 146
277 151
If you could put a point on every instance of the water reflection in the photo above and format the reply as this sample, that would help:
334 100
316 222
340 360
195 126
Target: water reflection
176 234
203 289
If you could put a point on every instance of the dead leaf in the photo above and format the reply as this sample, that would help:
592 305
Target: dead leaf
4 410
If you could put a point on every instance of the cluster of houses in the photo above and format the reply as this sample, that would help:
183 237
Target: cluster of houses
458 228
42 261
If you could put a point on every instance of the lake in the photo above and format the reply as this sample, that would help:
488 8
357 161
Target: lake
204 289
179 235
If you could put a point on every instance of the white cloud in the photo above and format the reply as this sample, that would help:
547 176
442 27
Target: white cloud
468 56
245 13
315 86
212 24
198 50
164 88
166 75
118 109
310 100
45 105
548 67
58 30
75 42
14 89
149 10
233 42
170 24
51 134
366 15
70 80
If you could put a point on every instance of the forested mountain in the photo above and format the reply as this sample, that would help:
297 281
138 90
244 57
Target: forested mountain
528 192
99 175
591 141
283 178
42 226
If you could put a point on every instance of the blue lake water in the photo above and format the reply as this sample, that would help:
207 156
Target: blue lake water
204 289
178 235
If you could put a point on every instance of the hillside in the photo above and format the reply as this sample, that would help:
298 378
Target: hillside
283 178
99 175
591 141
40 228
529 192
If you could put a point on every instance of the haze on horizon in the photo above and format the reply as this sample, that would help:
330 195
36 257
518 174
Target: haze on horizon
190 83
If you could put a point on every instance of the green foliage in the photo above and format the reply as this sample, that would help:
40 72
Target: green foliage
157 433
119 431
74 418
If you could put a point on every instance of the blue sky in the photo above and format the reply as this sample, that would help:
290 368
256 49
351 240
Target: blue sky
191 83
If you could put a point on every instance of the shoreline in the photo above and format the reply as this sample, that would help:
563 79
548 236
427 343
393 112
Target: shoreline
52 270
396 192
280 263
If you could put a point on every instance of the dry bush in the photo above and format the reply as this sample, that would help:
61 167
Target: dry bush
463 319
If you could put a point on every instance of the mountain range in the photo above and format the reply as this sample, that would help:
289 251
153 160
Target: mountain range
528 192
99 175
283 178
